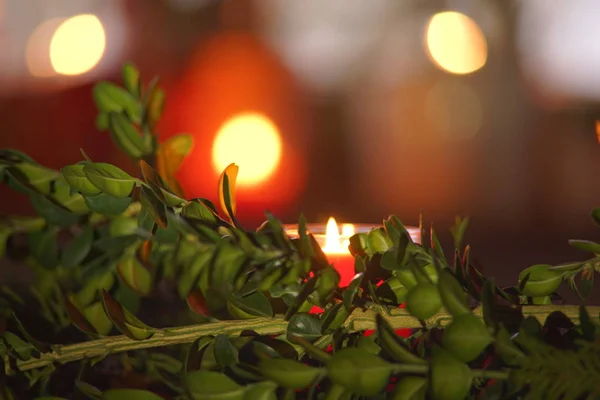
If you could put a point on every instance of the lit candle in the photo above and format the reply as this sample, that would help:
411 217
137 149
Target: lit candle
334 243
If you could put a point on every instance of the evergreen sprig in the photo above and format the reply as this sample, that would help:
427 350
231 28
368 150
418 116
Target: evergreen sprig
141 293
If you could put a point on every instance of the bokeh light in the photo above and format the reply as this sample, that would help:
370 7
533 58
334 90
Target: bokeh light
455 43
37 54
77 45
250 140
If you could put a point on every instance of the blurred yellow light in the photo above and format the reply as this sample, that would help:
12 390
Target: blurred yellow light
455 43
37 55
77 45
251 141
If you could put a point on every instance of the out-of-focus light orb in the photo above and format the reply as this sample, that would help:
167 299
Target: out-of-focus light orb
77 45
36 54
455 43
251 141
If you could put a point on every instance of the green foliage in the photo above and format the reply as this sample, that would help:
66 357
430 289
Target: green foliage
185 303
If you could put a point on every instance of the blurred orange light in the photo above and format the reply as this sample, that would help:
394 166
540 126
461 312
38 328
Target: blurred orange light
77 45
455 43
252 141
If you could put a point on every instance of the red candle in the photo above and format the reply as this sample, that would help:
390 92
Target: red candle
335 241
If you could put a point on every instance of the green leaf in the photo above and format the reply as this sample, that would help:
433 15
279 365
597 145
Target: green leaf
126 136
327 282
129 299
453 295
17 346
169 157
359 371
75 177
101 121
106 204
351 291
359 246
596 216
35 175
145 220
209 385
65 196
466 337
587 282
227 263
131 80
410 388
78 248
109 97
306 326
423 301
155 103
154 207
261 391
225 354
488 293
123 226
333 318
392 291
378 241
254 304
159 188
539 280
506 349
96 316
189 277
301 299
586 325
198 209
393 344
437 247
51 211
89 292
110 179
124 320
44 247
306 248
450 379
130 394
89 321
91 392
135 276
288 373
227 183
458 231
586 245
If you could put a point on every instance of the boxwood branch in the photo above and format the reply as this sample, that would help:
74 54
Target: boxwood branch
358 320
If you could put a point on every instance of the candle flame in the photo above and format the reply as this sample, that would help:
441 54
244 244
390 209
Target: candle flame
334 241
348 230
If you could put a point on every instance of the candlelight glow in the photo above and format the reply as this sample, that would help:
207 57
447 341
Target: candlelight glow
455 43
334 242
251 141
37 54
77 45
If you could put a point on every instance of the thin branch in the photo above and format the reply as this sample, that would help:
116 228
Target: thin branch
358 320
